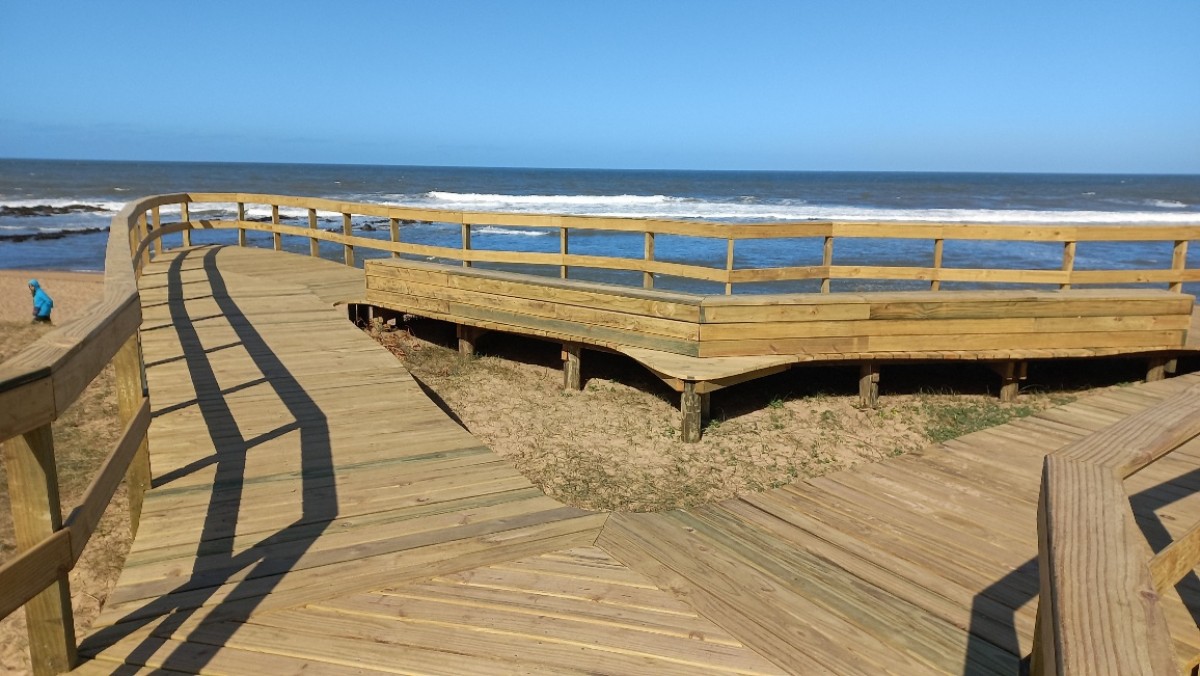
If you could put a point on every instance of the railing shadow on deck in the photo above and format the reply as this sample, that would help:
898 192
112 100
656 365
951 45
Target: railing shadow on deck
216 560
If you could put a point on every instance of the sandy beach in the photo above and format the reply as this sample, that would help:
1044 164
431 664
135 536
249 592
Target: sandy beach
72 293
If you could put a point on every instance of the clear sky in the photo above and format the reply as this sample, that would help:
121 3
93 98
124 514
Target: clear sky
953 85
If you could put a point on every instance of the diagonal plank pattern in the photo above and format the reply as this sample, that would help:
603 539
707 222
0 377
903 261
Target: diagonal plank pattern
313 511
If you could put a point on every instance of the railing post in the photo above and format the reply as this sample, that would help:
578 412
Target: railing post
648 254
827 262
142 230
729 266
347 249
314 244
466 244
158 243
241 216
33 493
939 246
186 217
563 251
276 238
1179 263
394 230
128 365
1068 263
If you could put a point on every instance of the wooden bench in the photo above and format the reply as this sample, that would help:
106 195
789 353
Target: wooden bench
700 343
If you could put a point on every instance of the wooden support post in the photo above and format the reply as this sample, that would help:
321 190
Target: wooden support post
143 229
156 218
276 238
1172 366
1178 264
939 246
564 249
186 217
36 515
347 249
314 244
394 233
241 216
1068 263
729 267
466 244
690 410
128 365
1011 374
572 354
648 254
868 385
467 335
827 262
1156 369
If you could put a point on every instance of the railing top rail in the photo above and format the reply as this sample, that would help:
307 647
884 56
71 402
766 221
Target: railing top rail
699 228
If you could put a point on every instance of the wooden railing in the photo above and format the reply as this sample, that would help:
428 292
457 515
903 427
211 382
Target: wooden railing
36 388
1101 607
823 237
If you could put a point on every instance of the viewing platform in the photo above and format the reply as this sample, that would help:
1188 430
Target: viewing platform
302 506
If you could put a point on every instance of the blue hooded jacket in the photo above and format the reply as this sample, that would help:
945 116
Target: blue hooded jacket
42 303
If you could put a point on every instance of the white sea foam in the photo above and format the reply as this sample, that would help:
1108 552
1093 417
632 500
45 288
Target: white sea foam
106 205
494 230
1166 204
742 210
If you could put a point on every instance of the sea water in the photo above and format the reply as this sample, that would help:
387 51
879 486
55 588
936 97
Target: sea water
720 196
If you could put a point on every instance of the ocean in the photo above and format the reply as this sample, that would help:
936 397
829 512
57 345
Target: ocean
74 240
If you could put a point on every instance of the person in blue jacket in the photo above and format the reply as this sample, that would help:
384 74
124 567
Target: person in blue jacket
42 303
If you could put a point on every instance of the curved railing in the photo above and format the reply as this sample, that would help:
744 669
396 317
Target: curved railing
36 387
42 381
823 239
1101 608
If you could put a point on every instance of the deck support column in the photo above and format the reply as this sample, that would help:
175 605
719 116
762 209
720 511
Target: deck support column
1156 369
1011 374
467 337
572 354
868 385
36 515
690 407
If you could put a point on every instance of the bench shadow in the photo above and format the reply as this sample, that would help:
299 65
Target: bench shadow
259 568
1146 504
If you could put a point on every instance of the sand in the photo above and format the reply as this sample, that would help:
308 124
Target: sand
72 292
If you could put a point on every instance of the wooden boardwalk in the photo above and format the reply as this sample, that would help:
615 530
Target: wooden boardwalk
313 511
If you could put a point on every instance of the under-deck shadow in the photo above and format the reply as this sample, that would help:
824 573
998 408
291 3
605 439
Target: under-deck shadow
262 564
1145 505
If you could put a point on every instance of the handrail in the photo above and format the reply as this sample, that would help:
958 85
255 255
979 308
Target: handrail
823 267
1101 608
36 387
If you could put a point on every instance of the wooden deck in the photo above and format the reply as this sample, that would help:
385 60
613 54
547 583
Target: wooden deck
313 511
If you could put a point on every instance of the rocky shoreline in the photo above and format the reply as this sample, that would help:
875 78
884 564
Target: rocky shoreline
48 210
48 234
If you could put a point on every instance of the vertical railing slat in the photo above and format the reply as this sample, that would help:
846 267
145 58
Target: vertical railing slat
156 218
563 250
1068 263
241 216
36 515
466 244
648 255
185 217
276 238
347 248
827 262
1179 263
128 366
939 246
314 244
394 233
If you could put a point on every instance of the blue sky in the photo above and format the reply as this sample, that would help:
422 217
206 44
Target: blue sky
838 85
